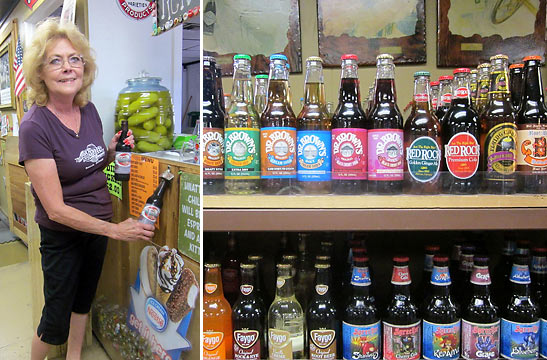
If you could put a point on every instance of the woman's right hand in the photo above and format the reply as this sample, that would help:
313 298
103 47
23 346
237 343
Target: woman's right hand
132 230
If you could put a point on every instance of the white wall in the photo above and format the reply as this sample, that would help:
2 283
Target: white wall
191 75
124 47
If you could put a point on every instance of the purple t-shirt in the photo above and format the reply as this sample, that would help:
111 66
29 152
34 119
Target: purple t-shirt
80 160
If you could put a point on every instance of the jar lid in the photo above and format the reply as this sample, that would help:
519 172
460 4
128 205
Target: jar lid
421 73
242 56
483 65
462 70
349 57
261 76
278 57
384 56
446 77
314 58
532 57
499 56
434 83
516 66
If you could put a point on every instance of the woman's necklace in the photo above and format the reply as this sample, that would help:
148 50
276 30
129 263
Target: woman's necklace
72 120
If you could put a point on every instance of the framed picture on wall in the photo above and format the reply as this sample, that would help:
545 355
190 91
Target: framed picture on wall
7 76
370 27
255 27
469 32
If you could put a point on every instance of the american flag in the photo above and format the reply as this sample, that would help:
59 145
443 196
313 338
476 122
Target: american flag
20 84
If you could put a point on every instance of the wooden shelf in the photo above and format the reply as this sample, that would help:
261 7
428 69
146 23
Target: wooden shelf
373 212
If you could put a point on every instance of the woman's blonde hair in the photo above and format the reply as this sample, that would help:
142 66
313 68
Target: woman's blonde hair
47 32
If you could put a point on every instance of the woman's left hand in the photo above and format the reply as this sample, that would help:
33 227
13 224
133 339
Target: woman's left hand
130 140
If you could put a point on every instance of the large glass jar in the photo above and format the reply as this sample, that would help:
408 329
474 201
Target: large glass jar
147 107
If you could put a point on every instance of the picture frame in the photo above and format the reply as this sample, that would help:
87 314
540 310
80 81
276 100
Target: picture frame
470 32
368 28
276 29
7 75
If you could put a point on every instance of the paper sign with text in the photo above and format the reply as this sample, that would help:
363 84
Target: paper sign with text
114 186
143 180
189 224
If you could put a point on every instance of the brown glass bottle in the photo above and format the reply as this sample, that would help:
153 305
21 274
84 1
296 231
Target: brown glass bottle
278 133
483 87
212 136
313 134
532 131
423 143
473 87
499 133
516 84
385 138
231 276
445 96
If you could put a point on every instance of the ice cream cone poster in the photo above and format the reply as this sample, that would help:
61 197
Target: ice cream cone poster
162 301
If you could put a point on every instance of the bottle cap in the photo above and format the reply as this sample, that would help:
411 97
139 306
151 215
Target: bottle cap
360 259
349 57
461 70
255 257
532 57
278 57
261 76
384 56
446 77
432 248
242 56
516 66
474 71
247 266
212 266
440 258
401 259
421 73
322 265
314 58
539 250
499 56
434 83
483 65
284 266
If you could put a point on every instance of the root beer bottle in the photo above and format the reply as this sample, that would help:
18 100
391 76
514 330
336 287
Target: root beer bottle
278 132
401 324
483 87
516 84
461 134
425 284
532 131
445 96
499 133
423 143
314 134
349 134
385 139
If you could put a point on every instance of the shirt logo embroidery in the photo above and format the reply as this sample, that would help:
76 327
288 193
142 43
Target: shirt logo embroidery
93 154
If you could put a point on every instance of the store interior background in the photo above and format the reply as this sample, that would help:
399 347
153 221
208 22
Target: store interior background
123 48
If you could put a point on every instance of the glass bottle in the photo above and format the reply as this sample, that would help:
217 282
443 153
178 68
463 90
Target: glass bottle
516 84
212 138
532 131
423 143
261 93
483 87
434 95
473 86
231 277
502 271
261 288
314 134
441 316
278 132
480 316
286 325
520 316
445 96
401 324
122 161
463 276
385 139
249 318
217 318
221 96
152 208
499 132
349 133
430 252
370 101
361 335
304 271
323 323
538 274
461 134
242 134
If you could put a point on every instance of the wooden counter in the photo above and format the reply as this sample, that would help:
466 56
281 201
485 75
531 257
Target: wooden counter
16 177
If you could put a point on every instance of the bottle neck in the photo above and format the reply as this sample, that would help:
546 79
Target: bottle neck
481 290
278 92
460 92
323 283
248 282
160 189
314 93
445 93
499 82
360 280
242 89
533 89
421 94
385 92
401 290
209 85
285 286
213 282
440 290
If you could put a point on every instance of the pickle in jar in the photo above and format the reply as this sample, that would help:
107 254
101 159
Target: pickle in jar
145 100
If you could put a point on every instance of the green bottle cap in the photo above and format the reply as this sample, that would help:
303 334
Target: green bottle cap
242 56
261 76
421 73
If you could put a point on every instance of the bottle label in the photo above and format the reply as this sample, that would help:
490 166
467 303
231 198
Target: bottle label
360 276
214 346
385 154
213 153
314 155
322 344
480 275
466 262
480 341
446 99
520 274
278 152
246 289
280 347
519 340
210 288
499 79
473 88
532 148
400 276
441 341
461 93
122 162
423 157
440 276
149 214
321 289
462 155
349 154
421 98
539 264
361 341
543 343
434 102
402 342
483 88
500 147
246 345
242 158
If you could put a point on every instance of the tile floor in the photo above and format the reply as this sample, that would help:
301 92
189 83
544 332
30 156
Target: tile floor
16 327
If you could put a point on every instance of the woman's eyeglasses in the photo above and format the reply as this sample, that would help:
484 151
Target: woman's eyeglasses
74 61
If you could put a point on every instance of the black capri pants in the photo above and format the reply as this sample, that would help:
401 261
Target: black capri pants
72 263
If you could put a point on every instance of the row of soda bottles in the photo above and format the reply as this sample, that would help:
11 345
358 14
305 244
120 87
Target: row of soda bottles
327 320
258 144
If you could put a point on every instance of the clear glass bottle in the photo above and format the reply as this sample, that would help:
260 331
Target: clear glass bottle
473 86
261 92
